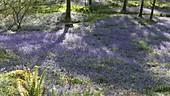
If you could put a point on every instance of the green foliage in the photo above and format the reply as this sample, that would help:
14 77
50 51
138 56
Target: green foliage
158 90
54 8
115 4
162 5
162 88
153 64
147 21
8 85
96 17
167 66
102 9
134 3
8 58
33 85
8 82
81 9
77 81
143 46
49 8
66 79
5 53
18 9
21 83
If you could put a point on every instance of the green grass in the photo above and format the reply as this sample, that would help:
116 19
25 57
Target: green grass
51 8
143 46
73 81
147 21
8 83
153 64
97 13
133 3
95 17
27 83
8 58
167 66
162 88
164 6
158 90
54 8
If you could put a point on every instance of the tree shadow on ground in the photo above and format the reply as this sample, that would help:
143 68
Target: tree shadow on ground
117 51
62 36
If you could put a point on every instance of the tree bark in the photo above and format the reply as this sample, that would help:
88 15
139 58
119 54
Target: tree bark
153 7
90 2
68 12
90 5
124 5
141 8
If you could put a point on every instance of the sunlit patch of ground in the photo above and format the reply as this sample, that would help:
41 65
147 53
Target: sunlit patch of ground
118 55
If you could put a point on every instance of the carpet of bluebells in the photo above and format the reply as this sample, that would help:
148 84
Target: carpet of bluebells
120 55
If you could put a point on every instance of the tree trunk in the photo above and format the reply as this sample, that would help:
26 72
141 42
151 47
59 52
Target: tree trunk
141 8
153 7
90 5
85 3
68 12
124 5
18 26
90 2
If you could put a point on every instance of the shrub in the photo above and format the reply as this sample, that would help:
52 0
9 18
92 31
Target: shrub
18 9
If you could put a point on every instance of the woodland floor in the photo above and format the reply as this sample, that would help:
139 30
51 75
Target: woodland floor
123 54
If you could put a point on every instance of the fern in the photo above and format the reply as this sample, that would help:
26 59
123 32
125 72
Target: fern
39 86
33 83
21 89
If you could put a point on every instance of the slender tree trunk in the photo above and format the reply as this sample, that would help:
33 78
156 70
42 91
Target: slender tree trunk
124 5
68 12
90 5
90 2
85 3
141 8
18 26
153 7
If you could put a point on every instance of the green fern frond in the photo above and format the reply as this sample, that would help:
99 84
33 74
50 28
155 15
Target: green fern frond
21 89
40 84
33 83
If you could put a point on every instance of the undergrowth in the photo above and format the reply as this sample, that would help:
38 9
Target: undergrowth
22 83
8 58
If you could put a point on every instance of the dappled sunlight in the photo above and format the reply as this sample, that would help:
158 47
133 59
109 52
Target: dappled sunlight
72 38
145 10
86 47
106 52
26 48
